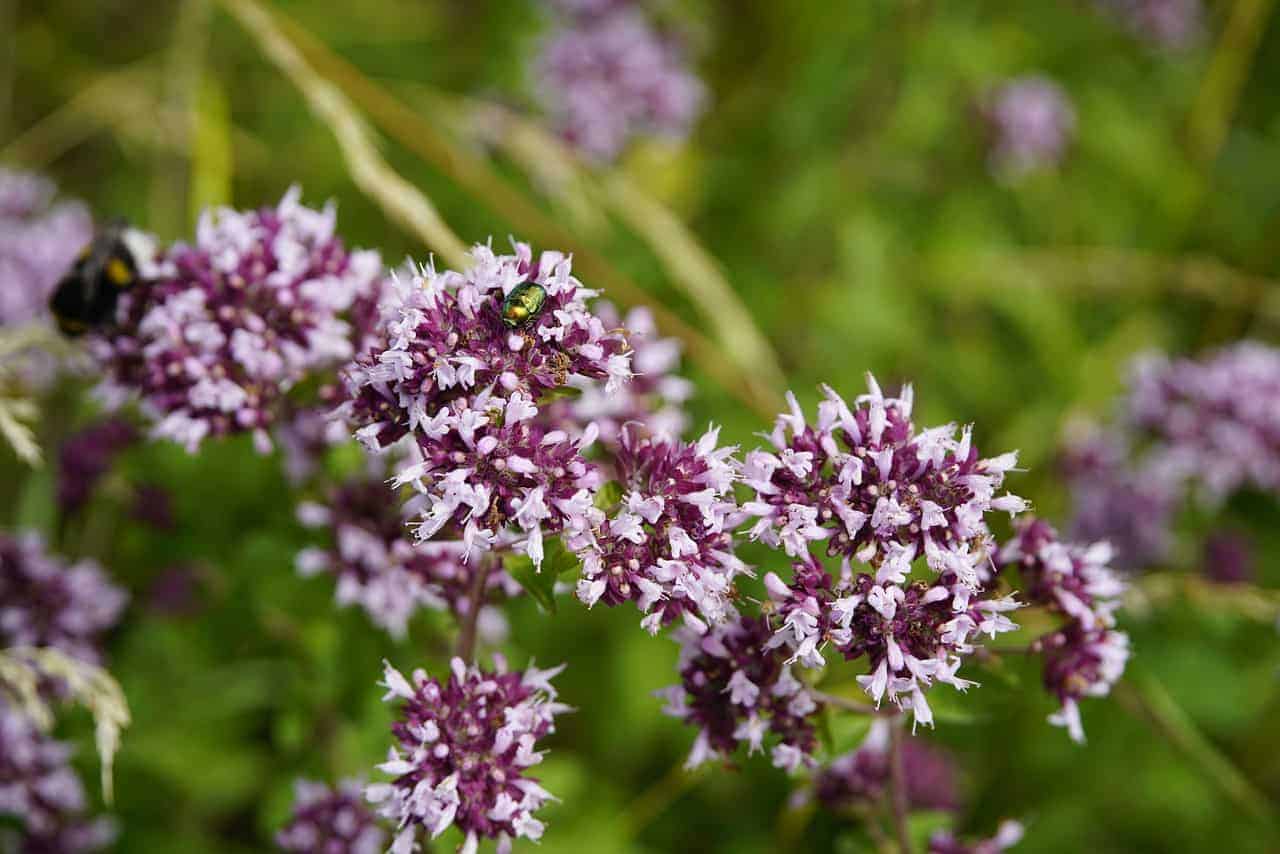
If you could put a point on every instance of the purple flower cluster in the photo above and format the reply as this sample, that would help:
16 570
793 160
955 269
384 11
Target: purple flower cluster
606 76
652 401
330 821
667 545
86 456
858 779
378 565
465 382
1214 421
1087 655
1171 24
1207 428
737 689
881 494
1008 834
45 602
1229 558
39 240
1031 122
464 747
222 329
912 635
40 789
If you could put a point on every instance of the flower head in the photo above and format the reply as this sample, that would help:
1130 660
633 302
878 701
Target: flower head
912 635
737 689
45 602
257 304
40 789
464 378
330 821
667 545
1032 124
863 480
606 78
1169 24
1087 655
463 749
858 779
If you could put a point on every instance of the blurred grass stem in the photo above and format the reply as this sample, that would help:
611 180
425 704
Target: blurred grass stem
400 201
898 785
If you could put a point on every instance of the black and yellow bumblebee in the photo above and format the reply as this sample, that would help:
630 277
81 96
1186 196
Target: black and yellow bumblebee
523 303
86 297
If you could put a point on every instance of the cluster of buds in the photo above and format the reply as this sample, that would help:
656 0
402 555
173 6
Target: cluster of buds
667 546
1007 835
463 750
466 360
737 689
222 329
857 781
87 455
1086 656
606 76
330 821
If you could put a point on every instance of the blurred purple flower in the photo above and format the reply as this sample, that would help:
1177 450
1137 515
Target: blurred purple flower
330 821
463 750
41 791
858 779
606 78
1170 24
1032 123
177 591
378 565
222 329
737 689
1229 558
1008 834
39 240
87 455
45 602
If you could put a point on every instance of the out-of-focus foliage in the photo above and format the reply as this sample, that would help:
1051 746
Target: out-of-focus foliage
841 180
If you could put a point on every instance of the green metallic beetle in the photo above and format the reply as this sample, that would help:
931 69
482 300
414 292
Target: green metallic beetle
523 303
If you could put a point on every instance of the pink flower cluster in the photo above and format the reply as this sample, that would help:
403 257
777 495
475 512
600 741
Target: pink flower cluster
1032 123
737 689
606 76
330 821
1086 656
667 546
39 240
222 329
462 753
467 386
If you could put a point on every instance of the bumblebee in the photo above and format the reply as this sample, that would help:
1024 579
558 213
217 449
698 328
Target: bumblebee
86 297
523 303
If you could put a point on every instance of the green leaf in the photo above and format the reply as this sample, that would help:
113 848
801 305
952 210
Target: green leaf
845 730
922 825
609 494
558 560
539 585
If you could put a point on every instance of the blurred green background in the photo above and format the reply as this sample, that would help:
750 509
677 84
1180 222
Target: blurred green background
840 178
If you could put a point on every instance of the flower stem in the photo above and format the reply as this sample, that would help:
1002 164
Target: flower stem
849 705
898 786
475 598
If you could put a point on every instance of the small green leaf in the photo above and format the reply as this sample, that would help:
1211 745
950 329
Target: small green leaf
922 825
558 560
845 730
564 392
609 494
539 585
